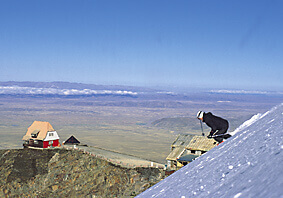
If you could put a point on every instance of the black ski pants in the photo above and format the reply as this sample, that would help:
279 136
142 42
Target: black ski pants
219 132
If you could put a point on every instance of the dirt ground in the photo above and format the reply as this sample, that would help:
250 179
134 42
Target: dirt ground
116 158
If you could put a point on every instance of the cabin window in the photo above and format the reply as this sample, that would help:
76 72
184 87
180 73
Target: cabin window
51 134
34 135
193 152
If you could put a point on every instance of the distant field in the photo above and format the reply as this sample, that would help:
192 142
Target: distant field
144 127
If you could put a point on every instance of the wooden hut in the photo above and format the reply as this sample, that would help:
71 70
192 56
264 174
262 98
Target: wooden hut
41 135
186 148
72 140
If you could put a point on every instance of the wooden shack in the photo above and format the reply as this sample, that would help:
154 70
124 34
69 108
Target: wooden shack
41 135
186 148
72 141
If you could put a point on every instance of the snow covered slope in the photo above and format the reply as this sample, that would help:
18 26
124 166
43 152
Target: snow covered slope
249 164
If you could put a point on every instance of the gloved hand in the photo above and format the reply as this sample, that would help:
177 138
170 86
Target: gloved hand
211 133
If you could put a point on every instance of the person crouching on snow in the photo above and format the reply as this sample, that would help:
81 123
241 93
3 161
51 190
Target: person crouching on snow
219 126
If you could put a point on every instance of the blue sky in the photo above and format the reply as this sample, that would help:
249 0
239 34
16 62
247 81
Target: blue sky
190 43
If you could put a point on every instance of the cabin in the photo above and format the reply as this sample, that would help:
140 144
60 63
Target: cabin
186 148
72 141
41 135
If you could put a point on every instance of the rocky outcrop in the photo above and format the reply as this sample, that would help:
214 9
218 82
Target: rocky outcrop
68 173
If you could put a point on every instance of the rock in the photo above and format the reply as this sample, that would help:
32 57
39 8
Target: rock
55 158
58 172
54 187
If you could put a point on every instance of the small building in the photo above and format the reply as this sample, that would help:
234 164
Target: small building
186 148
41 135
72 140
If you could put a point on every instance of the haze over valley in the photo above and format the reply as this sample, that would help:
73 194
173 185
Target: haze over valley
132 120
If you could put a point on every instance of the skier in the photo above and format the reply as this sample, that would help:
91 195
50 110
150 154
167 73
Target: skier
219 126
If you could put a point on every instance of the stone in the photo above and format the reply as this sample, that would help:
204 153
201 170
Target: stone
58 172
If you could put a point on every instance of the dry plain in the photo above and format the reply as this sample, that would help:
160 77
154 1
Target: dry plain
143 127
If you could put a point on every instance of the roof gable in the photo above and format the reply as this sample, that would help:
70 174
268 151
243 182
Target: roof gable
72 140
51 135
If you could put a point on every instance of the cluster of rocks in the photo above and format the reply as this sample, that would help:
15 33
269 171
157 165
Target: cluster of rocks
69 173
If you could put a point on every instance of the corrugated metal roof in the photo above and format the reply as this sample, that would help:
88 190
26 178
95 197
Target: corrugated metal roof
176 152
190 142
201 143
182 140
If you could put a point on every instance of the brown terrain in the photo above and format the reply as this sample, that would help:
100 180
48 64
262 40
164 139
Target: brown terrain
69 173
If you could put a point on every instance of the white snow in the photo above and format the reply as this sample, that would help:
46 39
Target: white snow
247 123
249 164
237 195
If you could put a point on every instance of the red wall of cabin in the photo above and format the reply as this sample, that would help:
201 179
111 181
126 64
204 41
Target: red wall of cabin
55 143
45 144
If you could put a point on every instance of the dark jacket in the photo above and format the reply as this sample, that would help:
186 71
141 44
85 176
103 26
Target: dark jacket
215 123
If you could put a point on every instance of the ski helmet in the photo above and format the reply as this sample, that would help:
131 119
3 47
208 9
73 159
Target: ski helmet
200 115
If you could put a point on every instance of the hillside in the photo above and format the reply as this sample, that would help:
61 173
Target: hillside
249 164
68 173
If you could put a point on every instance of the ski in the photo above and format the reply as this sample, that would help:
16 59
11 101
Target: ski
226 135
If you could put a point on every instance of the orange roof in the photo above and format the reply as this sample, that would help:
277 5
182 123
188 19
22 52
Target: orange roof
38 127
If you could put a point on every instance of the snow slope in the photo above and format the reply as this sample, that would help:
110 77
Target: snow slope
248 123
249 164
